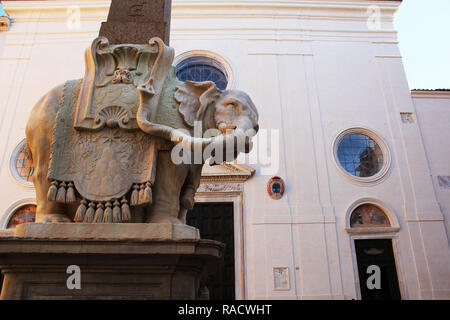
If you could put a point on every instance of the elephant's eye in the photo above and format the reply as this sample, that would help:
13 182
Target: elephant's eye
236 106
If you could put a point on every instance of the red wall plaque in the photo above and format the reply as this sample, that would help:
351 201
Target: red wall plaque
276 188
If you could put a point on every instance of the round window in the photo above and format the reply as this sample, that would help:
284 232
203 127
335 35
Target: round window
360 155
22 164
202 69
25 214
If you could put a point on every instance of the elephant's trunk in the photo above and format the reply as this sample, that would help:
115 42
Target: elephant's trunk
227 147
168 133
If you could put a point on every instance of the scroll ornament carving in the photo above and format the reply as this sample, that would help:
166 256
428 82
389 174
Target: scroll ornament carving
108 94
221 187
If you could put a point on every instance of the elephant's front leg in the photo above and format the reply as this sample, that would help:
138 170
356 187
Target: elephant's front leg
169 181
187 199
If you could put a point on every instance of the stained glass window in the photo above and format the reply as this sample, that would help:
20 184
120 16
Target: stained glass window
25 214
360 155
368 215
202 69
24 164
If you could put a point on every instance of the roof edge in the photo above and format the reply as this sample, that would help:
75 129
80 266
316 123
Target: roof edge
430 93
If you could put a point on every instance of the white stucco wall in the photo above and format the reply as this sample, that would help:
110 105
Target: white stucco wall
433 114
314 69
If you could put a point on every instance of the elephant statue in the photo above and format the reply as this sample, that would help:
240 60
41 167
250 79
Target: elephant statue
103 146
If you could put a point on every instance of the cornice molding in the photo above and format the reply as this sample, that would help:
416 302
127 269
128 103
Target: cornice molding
344 9
226 172
290 20
430 94
372 230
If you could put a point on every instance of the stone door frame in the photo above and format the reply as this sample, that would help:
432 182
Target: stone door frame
225 184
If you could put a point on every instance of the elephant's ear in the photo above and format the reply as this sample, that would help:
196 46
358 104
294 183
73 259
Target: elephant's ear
194 98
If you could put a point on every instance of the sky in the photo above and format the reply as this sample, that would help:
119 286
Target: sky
424 35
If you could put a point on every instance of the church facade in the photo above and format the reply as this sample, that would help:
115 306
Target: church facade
349 178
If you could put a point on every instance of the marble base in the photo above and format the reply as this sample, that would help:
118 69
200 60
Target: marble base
129 266
115 231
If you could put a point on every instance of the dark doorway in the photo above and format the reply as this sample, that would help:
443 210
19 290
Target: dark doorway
216 222
377 253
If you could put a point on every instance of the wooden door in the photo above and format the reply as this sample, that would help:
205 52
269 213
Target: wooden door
377 253
216 222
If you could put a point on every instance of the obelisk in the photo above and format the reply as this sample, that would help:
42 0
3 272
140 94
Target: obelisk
137 21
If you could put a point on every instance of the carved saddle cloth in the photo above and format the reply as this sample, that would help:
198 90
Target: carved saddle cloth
98 151
101 166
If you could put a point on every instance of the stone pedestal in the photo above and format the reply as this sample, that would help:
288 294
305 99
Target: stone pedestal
117 261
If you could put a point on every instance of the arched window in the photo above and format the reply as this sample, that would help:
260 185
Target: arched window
200 69
22 163
25 214
368 216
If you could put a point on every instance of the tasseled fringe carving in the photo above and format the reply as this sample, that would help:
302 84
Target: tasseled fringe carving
135 195
52 191
81 211
89 218
142 194
61 196
70 195
108 210
108 218
99 214
62 192
126 213
117 212
148 194
112 211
